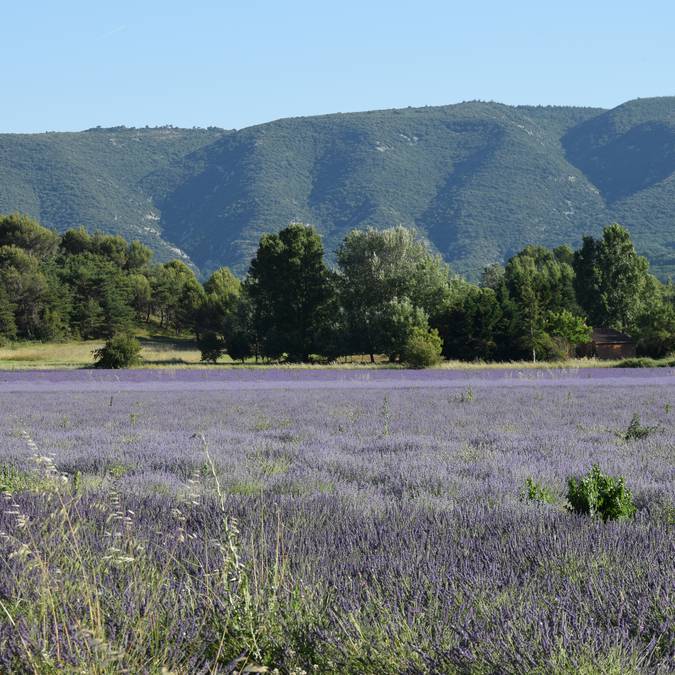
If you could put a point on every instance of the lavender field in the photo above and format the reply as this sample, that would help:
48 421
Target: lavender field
332 521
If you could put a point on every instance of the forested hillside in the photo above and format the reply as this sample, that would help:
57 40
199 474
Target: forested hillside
93 178
479 180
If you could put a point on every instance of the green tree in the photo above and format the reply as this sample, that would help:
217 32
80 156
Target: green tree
112 247
222 291
75 241
656 324
290 290
376 266
612 279
394 323
141 296
35 294
568 329
423 348
101 295
623 276
25 233
587 279
492 276
7 322
537 283
120 351
177 296
138 257
470 322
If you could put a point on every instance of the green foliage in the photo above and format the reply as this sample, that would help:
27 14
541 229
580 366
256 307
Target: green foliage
639 362
212 346
290 292
120 351
598 495
25 233
612 281
539 285
476 177
656 323
423 348
7 322
219 309
377 267
387 294
537 493
177 296
40 304
13 480
393 325
470 323
569 329
96 177
636 431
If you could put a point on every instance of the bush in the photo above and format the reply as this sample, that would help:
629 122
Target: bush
211 346
239 346
423 348
119 351
636 431
598 495
638 362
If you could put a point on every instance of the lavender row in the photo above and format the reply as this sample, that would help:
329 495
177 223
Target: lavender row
382 528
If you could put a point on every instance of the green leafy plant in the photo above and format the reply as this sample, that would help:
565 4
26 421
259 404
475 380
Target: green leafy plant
423 348
119 351
536 493
598 495
12 480
636 431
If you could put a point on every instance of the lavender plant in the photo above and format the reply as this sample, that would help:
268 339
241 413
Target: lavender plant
173 530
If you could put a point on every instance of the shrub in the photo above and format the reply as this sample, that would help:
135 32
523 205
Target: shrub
211 346
536 493
119 351
598 495
636 431
423 348
239 346
638 362
12 480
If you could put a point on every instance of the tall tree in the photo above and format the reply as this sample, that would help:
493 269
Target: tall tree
25 233
538 282
470 323
379 266
177 296
623 278
612 279
289 286
7 322
217 317
34 292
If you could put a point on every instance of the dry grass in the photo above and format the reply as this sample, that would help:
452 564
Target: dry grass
79 354
163 352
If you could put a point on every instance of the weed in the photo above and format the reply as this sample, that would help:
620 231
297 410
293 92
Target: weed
536 493
636 431
599 495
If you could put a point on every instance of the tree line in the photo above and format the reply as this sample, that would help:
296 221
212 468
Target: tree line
388 293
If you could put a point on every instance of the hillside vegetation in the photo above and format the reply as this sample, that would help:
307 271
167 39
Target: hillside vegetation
479 180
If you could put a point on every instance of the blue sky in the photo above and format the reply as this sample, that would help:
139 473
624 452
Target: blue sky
70 65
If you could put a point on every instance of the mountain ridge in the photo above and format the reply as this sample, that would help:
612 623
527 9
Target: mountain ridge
478 179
